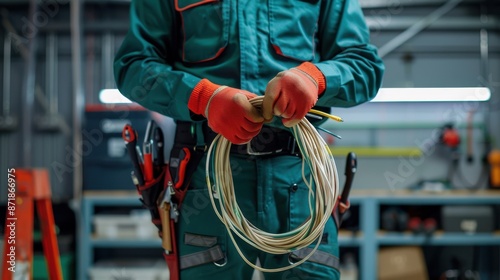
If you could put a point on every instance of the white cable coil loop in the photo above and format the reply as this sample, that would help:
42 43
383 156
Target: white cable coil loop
317 155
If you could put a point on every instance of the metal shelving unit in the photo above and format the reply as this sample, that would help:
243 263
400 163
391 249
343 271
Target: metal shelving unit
443 239
125 243
88 242
368 240
371 201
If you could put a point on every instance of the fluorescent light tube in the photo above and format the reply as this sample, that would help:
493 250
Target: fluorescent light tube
432 94
112 96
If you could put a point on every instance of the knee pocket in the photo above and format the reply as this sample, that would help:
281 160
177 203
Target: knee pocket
324 263
202 238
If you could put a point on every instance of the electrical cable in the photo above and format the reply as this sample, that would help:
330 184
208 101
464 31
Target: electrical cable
321 198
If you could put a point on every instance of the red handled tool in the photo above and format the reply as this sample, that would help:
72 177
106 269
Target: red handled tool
147 152
148 162
129 135
184 157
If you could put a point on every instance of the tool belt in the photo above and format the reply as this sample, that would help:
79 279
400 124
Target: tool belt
159 191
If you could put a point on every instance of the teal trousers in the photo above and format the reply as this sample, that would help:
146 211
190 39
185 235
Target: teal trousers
272 195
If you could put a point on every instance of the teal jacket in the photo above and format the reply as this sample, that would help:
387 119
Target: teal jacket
172 44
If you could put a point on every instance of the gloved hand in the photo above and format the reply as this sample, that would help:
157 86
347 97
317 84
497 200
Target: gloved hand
227 110
292 93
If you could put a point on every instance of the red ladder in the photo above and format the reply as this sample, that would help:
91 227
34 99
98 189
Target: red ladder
28 187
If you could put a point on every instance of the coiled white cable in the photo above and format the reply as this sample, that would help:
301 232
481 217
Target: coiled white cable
322 199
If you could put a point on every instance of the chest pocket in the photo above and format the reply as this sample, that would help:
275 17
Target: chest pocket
293 25
204 28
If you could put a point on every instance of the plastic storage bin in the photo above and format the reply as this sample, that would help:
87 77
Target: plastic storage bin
129 270
124 226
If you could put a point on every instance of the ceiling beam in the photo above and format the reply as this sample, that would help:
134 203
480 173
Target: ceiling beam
417 27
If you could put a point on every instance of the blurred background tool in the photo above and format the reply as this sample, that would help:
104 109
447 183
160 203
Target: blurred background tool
494 160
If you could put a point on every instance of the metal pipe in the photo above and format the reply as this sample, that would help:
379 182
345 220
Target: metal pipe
77 104
49 61
487 81
111 53
413 30
51 75
78 93
28 94
458 23
374 22
366 4
55 97
106 60
484 51
54 148
7 48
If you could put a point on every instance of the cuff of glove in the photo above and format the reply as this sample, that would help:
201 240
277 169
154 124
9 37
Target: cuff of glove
200 96
316 74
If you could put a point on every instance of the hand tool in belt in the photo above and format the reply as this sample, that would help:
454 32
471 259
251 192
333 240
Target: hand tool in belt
350 169
147 150
157 191
129 135
169 214
159 145
180 166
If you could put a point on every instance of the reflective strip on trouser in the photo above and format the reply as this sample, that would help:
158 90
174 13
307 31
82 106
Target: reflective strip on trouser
211 255
199 240
318 257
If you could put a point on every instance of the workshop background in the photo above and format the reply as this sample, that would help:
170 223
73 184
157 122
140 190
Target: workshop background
426 194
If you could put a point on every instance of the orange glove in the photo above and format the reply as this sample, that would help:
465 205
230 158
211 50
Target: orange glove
227 110
292 93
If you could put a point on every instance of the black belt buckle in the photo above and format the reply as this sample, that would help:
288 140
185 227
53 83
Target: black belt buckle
272 142
252 152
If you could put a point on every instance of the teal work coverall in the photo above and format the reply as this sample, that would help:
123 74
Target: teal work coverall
172 44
